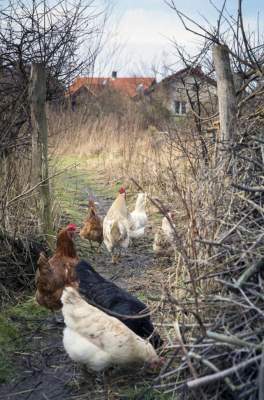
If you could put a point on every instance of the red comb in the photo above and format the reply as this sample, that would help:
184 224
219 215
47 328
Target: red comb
122 190
71 227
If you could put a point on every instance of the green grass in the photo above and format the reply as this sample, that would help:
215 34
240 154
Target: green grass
72 186
15 321
143 394
142 296
72 189
28 310
9 338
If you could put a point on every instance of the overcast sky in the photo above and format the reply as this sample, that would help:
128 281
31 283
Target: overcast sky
144 30
141 32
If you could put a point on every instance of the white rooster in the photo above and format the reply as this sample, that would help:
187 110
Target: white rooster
116 226
138 218
99 341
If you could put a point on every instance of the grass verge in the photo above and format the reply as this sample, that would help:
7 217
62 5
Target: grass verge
16 322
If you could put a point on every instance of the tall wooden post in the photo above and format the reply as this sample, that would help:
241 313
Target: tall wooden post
40 171
226 98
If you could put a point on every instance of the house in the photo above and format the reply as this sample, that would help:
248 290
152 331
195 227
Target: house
84 88
189 86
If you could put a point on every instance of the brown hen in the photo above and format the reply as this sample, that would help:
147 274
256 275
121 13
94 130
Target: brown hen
55 273
93 228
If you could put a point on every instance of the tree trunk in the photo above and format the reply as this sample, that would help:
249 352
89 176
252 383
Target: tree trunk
226 99
40 172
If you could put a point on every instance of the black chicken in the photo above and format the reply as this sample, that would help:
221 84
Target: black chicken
114 300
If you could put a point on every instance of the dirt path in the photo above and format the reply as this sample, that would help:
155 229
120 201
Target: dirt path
43 370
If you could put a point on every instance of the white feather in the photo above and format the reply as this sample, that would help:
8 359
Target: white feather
138 218
94 338
164 238
167 229
109 240
80 350
117 214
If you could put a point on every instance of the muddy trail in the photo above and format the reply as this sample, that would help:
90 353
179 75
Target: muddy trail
43 371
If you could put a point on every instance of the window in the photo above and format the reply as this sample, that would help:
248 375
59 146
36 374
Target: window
180 107
177 106
183 107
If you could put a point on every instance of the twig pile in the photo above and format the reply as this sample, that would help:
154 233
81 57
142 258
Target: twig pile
18 260
216 296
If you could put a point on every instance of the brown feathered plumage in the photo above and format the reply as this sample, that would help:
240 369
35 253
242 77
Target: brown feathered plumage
55 273
93 228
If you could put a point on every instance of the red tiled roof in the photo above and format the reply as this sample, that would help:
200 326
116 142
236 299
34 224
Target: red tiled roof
127 86
192 71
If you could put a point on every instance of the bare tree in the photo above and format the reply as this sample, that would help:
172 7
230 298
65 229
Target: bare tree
243 81
218 307
245 48
65 38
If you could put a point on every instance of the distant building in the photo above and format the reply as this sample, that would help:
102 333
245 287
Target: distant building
178 91
84 88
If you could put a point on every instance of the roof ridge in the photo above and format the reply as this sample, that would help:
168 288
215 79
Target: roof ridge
126 85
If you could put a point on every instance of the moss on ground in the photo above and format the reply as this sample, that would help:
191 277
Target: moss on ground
28 310
9 336
142 296
15 322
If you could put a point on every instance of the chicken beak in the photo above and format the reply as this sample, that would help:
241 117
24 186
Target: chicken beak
157 363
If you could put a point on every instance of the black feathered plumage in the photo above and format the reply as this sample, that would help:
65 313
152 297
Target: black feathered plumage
104 293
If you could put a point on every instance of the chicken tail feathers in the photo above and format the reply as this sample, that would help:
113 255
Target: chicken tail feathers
146 329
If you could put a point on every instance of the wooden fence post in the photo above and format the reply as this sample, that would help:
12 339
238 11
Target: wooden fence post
226 99
40 170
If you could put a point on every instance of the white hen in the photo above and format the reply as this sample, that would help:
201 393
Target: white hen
168 227
116 226
138 218
164 237
99 341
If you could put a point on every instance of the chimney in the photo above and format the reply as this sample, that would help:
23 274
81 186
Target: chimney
114 74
